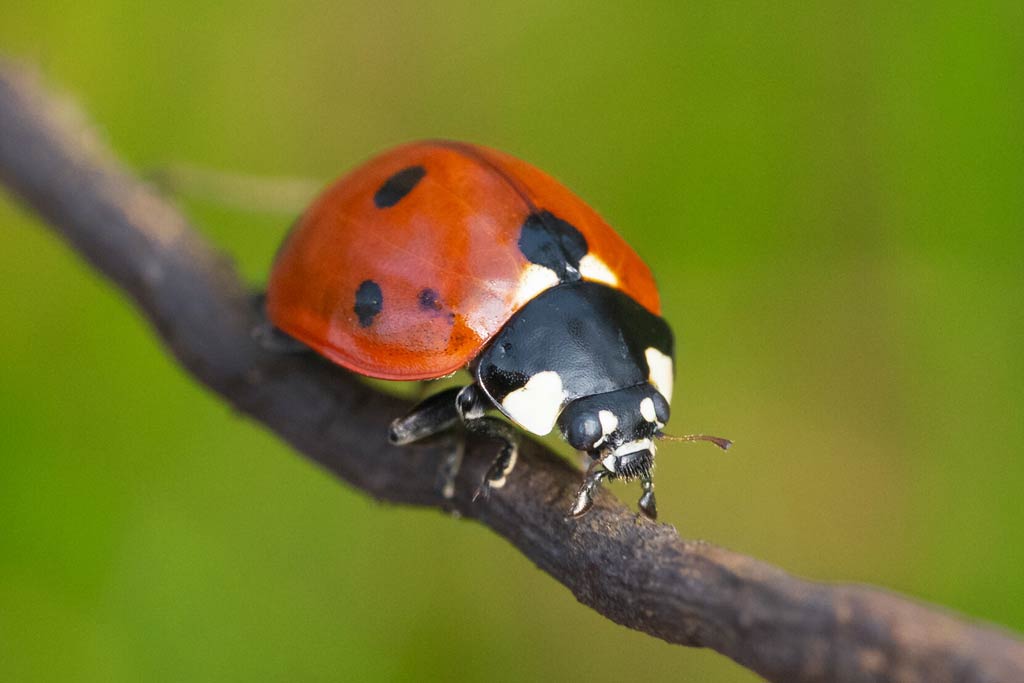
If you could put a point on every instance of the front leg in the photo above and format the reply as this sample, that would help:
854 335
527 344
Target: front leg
596 473
430 416
434 415
505 462
446 410
472 404
647 504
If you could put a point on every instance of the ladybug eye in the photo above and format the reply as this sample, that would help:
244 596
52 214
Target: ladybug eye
660 408
584 432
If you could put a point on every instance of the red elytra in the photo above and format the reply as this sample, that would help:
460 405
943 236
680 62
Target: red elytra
434 227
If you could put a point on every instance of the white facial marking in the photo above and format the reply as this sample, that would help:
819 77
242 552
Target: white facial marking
593 268
609 423
534 280
536 406
633 446
661 372
647 410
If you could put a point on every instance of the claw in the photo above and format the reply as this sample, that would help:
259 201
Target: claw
648 506
584 501
483 491
585 496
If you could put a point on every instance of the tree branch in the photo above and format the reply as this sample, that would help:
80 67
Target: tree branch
635 572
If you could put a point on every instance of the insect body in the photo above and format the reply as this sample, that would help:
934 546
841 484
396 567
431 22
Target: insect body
441 255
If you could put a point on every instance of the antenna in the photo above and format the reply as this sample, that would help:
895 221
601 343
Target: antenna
717 440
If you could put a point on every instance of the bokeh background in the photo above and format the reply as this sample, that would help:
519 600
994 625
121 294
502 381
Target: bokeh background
831 197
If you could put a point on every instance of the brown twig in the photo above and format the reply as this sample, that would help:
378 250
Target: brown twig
635 572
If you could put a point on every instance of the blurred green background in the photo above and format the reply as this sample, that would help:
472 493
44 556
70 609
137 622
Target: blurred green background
831 198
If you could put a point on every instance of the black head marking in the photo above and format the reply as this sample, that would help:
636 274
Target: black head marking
369 301
430 300
547 240
503 381
397 186
594 336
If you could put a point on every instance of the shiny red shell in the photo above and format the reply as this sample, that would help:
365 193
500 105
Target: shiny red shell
444 257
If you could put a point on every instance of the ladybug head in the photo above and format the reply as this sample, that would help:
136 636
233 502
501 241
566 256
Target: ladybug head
618 428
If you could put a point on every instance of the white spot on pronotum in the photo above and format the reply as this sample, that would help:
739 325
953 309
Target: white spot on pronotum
661 372
593 268
534 280
536 406
647 409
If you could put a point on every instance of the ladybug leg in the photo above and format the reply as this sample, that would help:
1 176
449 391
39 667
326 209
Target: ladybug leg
472 403
450 466
435 415
277 341
447 409
647 503
505 462
596 473
269 337
430 416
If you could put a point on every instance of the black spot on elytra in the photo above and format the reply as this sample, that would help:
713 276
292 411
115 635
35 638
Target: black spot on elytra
369 301
500 382
429 300
397 186
547 240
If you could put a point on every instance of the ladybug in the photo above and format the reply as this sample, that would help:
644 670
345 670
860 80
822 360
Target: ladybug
440 255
